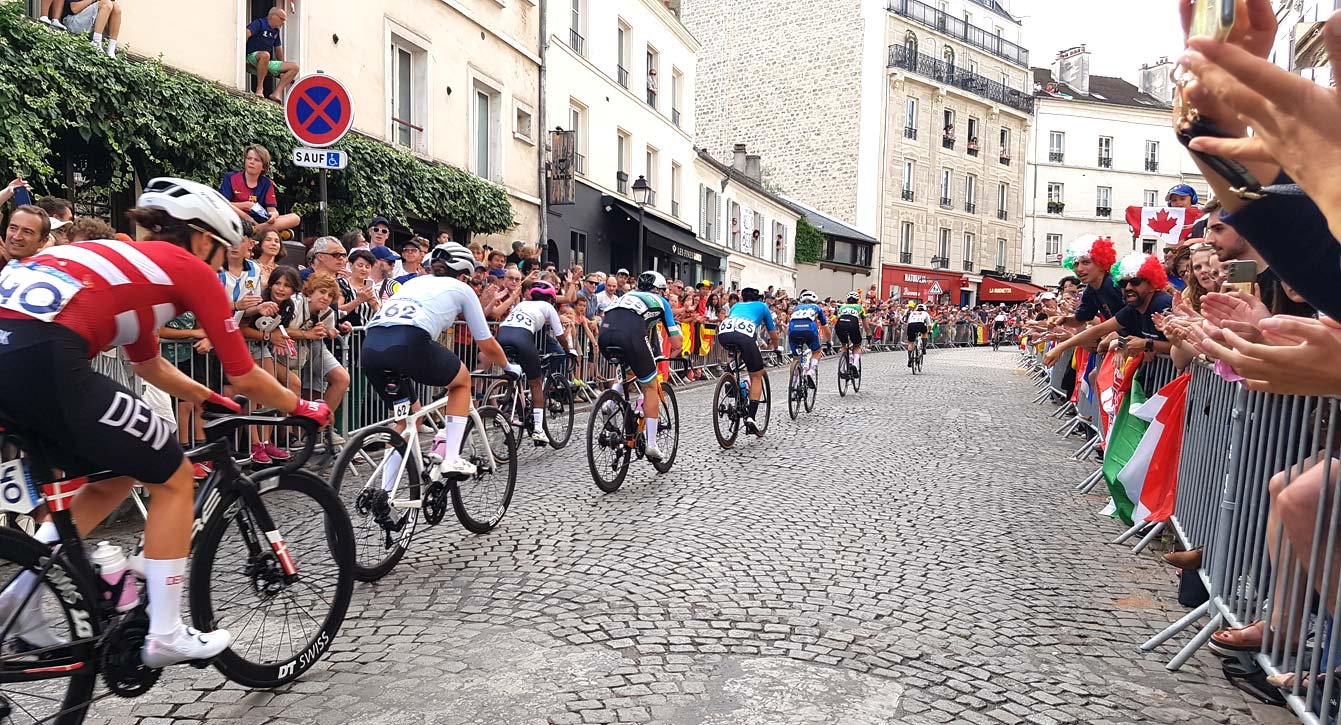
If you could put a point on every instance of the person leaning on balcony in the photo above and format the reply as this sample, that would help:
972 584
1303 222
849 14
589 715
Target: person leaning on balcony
98 17
265 53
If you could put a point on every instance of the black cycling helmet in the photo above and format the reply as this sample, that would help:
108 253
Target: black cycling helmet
650 280
749 294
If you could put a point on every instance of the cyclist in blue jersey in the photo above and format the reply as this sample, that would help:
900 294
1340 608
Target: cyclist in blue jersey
803 329
738 331
626 326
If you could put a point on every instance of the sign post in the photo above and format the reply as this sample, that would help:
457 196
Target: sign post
319 112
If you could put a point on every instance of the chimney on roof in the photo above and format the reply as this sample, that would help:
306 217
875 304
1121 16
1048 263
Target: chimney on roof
738 157
1072 67
1155 79
754 168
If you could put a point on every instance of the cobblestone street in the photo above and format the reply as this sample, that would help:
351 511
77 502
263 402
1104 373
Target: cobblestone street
913 554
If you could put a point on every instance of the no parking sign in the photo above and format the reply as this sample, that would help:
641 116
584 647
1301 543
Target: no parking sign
318 110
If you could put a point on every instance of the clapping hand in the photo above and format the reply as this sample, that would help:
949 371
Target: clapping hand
1297 358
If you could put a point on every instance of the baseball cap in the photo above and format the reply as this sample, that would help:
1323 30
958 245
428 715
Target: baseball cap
1183 190
497 273
622 271
384 254
411 242
479 265
705 283
1048 296
379 220
57 223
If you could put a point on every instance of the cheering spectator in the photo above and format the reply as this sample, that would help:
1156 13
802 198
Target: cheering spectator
411 262
379 232
497 260
88 227
265 54
99 17
252 193
268 253
315 322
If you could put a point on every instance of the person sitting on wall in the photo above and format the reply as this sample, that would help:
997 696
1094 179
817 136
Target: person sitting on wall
265 54
252 194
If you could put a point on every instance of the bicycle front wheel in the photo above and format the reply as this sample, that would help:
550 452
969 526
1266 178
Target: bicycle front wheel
765 412
842 373
668 429
726 412
281 623
482 500
559 413
856 376
382 532
53 684
608 452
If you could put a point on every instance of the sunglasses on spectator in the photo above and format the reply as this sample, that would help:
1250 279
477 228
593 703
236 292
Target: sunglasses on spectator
1135 282
381 230
589 281
337 255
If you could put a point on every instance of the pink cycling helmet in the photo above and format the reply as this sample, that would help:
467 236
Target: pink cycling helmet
543 292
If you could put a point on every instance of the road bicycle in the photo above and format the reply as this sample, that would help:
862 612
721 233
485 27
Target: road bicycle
919 352
849 371
271 561
801 388
615 434
731 399
513 399
997 334
385 518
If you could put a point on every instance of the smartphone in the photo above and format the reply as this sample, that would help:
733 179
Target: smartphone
1212 19
21 196
1241 273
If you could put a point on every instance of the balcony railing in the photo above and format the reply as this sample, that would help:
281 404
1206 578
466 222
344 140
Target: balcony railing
940 71
968 265
1105 162
940 262
946 202
1005 161
622 182
972 147
1002 214
957 28
970 207
1103 211
908 195
1151 165
905 257
580 164
1001 269
577 42
909 132
1056 207
1056 157
675 116
622 74
948 140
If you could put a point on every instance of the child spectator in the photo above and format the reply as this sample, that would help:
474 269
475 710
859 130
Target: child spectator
88 227
252 193
98 17
268 253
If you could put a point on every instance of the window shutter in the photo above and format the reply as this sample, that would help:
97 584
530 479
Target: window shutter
703 230
717 218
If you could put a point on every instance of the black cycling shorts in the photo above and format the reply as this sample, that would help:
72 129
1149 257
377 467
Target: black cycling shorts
396 357
519 344
998 325
915 329
626 330
748 346
848 332
84 422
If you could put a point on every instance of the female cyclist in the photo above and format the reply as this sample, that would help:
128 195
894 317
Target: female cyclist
518 331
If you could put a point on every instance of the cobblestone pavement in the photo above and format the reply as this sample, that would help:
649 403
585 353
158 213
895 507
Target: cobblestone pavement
911 554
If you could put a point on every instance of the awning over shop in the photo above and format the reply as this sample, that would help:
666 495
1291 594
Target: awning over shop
999 290
671 238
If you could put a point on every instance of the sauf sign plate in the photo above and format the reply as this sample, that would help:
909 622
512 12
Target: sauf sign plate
320 158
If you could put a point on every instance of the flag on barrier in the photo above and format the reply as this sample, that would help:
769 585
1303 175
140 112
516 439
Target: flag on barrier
706 334
1123 441
1081 362
1153 469
1107 390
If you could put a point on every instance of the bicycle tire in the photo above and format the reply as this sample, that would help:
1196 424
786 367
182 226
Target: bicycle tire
495 423
499 394
559 409
811 392
765 405
337 542
668 407
796 390
611 431
856 377
842 373
20 551
726 421
373 558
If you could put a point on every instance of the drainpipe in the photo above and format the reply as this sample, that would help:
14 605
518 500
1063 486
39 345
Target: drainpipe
542 126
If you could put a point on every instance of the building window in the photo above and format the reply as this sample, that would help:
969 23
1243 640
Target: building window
650 164
948 132
523 126
1105 152
577 123
906 243
779 243
1152 156
622 36
485 125
1004 141
1151 197
576 33
652 76
909 168
577 246
708 211
1002 200
910 44
675 189
1056 146
910 118
677 95
1052 247
972 147
1056 198
968 252
1001 255
946 176
622 162
409 77
943 250
948 55
733 211
1103 201
971 194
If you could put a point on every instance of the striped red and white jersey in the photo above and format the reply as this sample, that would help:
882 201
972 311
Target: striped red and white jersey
117 294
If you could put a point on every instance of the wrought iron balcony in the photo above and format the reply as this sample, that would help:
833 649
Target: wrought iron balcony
942 72
1005 160
1151 165
1105 162
970 207
1103 211
577 42
948 141
909 132
1002 214
940 262
675 116
580 164
1056 157
623 75
1056 207
972 147
908 195
946 202
942 22
622 182
968 265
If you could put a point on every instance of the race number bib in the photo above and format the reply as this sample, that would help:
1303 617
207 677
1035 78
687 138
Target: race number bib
35 290
399 311
735 324
632 302
17 492
519 318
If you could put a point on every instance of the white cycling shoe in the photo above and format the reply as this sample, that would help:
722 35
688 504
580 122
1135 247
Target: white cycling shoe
541 437
459 467
185 645
653 453
30 627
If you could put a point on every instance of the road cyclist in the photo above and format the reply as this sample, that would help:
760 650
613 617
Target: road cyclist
850 319
803 330
517 335
998 327
737 333
917 326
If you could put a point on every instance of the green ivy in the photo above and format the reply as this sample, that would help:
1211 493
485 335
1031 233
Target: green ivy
809 242
61 98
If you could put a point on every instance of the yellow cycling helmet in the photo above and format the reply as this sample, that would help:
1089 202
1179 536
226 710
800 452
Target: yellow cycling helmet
911 305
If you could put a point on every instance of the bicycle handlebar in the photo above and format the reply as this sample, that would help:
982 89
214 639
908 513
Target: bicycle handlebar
222 426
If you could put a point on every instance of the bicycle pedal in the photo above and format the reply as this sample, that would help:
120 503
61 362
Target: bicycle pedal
407 504
200 664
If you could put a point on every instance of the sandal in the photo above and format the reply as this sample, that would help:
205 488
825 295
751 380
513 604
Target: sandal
1231 641
1253 680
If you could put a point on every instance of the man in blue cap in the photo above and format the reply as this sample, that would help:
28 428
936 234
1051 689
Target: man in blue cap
1181 196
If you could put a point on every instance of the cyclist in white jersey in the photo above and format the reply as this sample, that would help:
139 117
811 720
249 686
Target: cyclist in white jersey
918 323
518 331
401 348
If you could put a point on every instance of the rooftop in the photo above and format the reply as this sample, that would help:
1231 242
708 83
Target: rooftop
830 226
1103 89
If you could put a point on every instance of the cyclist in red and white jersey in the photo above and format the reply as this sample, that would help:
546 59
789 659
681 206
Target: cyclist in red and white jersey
65 305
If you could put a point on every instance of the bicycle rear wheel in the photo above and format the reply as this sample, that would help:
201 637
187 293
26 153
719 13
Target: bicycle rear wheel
608 452
559 413
382 532
765 412
668 430
796 389
281 624
482 500
811 390
53 684
726 413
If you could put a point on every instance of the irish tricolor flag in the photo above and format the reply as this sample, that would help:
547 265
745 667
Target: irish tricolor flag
1146 483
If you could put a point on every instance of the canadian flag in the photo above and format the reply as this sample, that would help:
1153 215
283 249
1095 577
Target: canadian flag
1169 225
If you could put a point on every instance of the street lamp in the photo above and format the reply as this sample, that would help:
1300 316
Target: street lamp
642 193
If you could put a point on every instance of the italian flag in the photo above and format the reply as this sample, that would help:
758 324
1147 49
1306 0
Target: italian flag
1123 441
1146 484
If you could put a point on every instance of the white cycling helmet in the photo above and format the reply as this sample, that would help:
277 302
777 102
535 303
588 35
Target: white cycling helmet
853 296
808 297
456 257
650 280
190 201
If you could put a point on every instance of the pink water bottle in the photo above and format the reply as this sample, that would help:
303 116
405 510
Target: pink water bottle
113 567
